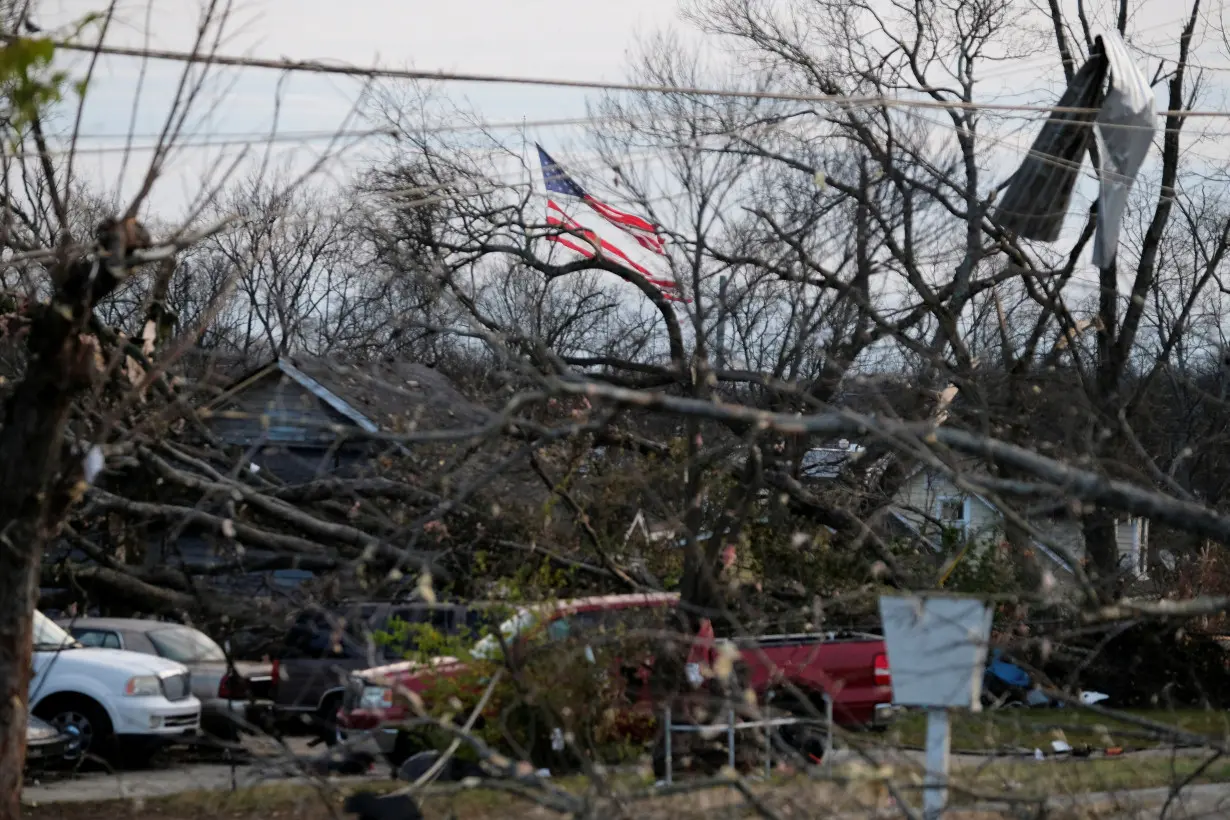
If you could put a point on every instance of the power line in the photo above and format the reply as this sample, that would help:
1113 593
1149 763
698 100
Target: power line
264 138
175 145
373 72
256 135
244 139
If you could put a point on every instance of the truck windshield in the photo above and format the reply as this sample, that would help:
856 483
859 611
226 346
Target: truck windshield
48 637
489 646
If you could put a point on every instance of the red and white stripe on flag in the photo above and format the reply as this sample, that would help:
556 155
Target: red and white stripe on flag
588 231
642 230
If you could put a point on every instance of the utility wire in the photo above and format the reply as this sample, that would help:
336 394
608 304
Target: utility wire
372 72
317 133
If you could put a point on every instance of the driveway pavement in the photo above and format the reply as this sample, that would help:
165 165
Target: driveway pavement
268 763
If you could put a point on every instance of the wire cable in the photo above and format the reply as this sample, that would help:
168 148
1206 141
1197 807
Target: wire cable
371 72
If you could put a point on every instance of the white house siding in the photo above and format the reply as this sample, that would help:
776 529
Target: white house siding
922 494
1132 538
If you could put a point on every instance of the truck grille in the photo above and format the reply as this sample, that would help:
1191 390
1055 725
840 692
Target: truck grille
182 721
177 686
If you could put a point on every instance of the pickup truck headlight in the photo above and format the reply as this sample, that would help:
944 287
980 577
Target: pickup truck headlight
376 697
143 686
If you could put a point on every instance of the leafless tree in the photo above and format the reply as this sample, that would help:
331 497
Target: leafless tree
845 278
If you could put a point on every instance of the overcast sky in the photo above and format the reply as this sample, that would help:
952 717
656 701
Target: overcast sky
521 37
543 38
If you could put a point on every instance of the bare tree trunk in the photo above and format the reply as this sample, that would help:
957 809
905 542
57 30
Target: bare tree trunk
35 494
1102 550
19 558
1021 546
34 422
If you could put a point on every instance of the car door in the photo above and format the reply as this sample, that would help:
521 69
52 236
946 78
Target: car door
48 641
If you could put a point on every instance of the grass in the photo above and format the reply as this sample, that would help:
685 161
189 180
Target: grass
273 801
1038 780
1014 730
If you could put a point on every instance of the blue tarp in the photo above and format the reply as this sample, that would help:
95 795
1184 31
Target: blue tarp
1009 673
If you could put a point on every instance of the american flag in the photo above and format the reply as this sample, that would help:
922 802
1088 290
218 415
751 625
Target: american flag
586 240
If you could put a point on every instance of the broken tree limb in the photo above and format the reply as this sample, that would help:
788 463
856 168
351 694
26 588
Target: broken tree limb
1076 482
243 532
302 521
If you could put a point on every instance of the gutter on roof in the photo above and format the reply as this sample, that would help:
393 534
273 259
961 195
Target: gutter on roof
307 383
1054 556
327 396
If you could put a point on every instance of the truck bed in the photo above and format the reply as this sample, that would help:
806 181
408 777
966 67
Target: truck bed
851 671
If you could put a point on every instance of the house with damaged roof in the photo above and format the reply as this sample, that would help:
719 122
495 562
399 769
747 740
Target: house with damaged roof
307 429
292 469
312 418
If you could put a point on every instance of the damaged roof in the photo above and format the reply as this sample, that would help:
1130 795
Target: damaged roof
389 396
397 396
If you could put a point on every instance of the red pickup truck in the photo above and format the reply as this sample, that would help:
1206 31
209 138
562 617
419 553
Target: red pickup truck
852 672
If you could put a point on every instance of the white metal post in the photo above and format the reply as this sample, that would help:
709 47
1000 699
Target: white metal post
935 786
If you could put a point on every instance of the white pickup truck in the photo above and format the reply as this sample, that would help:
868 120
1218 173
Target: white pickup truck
118 703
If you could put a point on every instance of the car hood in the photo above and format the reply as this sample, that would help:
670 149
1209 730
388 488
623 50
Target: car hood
118 660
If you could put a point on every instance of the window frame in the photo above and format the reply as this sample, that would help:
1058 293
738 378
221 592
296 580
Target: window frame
105 633
961 524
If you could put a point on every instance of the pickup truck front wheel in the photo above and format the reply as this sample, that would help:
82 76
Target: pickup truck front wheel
82 718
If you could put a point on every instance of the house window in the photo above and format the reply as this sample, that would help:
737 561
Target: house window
950 510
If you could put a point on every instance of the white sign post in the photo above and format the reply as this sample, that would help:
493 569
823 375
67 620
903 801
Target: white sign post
937 651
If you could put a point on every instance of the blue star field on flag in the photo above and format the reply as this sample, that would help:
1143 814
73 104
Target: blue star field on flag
555 179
